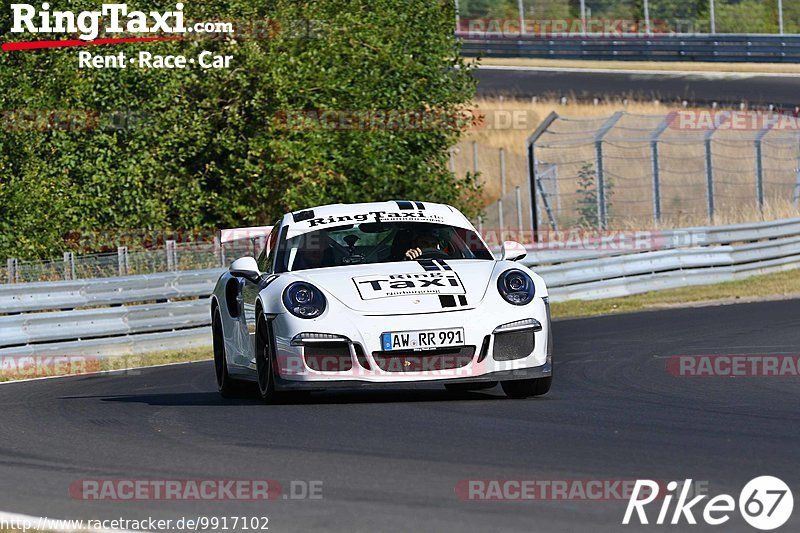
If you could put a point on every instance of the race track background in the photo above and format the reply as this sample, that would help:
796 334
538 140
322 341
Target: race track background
390 460
696 88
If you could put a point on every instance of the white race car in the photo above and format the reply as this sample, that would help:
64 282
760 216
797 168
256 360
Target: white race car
377 294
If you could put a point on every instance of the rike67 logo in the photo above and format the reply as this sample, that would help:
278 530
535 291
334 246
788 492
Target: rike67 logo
766 503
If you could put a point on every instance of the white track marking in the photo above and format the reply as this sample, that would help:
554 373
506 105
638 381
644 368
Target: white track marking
673 73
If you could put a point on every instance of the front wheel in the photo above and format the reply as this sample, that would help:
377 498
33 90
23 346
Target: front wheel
226 385
264 360
524 388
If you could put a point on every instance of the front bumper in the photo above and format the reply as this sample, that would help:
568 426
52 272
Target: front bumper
546 370
362 336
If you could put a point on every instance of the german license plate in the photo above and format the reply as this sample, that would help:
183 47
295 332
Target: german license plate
422 340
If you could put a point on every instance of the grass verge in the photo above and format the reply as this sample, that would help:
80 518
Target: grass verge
781 285
683 66
15 368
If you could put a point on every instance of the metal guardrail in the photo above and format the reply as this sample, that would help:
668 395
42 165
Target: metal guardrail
638 47
723 253
580 250
681 260
109 316
118 346
39 296
31 328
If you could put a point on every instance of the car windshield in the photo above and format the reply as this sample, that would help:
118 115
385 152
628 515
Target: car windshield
379 242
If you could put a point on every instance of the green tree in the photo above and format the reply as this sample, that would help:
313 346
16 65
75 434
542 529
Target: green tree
587 196
203 149
587 202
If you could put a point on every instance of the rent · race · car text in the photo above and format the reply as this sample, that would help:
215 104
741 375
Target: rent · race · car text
205 60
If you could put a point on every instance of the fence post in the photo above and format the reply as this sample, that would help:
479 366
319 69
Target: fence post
122 260
760 165
709 179
452 160
69 265
172 256
602 207
532 178
759 177
713 11
518 195
502 173
796 199
601 186
654 139
500 217
480 225
709 136
546 201
12 270
583 17
475 156
458 17
219 251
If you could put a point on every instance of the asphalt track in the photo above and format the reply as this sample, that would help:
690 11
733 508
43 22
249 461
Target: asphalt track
696 88
390 460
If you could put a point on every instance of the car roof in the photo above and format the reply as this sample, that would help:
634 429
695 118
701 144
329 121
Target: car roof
319 217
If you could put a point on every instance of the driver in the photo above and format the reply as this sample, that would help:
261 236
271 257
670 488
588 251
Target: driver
421 243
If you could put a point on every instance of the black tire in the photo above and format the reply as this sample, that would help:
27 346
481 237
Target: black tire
227 386
466 387
265 358
525 388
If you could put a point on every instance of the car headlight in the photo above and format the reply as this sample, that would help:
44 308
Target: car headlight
516 287
304 300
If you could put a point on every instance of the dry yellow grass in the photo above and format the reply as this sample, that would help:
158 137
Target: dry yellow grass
77 365
627 156
530 114
684 66
782 285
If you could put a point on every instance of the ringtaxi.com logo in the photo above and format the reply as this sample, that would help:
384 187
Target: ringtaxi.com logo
765 502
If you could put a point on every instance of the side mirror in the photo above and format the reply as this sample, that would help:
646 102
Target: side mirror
245 267
512 251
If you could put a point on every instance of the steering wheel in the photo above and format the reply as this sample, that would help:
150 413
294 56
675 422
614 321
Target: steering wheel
433 253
